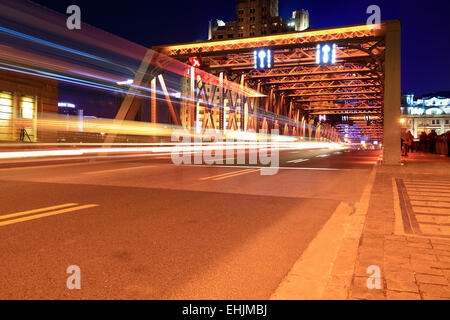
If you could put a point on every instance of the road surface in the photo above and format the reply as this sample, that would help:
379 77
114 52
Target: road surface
143 228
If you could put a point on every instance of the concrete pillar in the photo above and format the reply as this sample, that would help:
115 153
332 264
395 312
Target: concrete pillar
392 94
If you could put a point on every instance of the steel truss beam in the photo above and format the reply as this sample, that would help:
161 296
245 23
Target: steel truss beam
296 87
360 33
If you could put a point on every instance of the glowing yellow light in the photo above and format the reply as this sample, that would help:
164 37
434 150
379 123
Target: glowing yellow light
27 108
329 31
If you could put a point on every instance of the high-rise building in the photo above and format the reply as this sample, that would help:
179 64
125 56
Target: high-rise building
256 18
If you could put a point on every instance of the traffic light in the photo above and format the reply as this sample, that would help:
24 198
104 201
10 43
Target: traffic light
195 62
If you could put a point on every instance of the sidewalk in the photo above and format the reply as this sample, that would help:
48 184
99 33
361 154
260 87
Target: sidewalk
405 232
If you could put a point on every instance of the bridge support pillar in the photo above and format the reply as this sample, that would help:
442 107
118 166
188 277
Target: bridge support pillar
392 94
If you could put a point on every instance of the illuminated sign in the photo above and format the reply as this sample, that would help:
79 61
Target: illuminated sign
323 118
434 111
196 62
326 54
263 59
416 111
410 99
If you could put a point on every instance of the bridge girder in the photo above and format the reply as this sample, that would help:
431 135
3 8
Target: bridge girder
296 83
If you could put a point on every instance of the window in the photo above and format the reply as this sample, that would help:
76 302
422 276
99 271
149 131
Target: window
230 36
6 110
252 10
220 37
447 121
27 105
5 106
28 111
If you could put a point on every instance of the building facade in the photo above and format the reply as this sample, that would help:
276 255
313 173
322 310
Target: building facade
256 18
425 114
23 99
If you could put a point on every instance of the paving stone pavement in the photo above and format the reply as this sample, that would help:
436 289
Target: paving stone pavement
411 266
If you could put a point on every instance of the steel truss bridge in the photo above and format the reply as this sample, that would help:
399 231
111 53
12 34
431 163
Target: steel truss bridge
296 90
300 94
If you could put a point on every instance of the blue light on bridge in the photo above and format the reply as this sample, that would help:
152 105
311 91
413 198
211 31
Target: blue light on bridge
326 54
263 59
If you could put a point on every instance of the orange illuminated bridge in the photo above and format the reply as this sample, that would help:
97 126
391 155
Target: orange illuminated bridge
336 78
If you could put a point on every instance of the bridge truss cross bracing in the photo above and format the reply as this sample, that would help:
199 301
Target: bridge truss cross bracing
297 89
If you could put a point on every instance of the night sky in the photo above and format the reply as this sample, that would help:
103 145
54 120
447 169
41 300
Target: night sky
426 30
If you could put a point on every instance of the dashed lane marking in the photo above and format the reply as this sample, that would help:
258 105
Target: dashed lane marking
237 174
42 215
116 170
24 213
298 161
224 174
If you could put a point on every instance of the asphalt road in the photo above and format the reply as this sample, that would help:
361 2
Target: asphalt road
143 228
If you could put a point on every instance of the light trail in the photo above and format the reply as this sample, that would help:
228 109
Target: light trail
174 149
23 53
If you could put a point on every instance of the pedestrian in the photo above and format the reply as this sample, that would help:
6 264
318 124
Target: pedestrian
439 144
423 142
410 142
404 138
448 143
444 146
432 136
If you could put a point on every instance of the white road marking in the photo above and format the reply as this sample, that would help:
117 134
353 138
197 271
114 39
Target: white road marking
298 161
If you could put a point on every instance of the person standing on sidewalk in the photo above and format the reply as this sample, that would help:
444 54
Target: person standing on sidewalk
444 146
422 142
447 135
432 137
403 141
406 142
410 142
